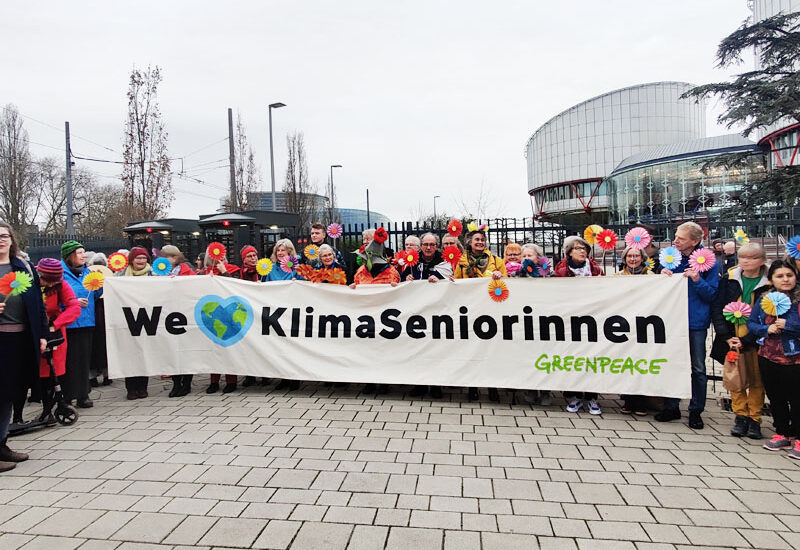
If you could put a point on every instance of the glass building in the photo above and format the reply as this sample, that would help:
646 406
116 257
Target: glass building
358 217
681 181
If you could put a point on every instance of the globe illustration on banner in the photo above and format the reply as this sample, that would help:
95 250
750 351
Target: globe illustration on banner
224 321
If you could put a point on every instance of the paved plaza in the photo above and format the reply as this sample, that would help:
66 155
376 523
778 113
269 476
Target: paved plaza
325 468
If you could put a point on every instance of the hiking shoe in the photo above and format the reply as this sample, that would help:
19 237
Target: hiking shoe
6 466
740 425
777 443
594 407
754 430
667 415
696 421
794 452
574 405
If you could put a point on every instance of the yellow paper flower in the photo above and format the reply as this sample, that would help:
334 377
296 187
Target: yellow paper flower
590 233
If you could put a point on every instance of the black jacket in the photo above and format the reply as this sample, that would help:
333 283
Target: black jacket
423 270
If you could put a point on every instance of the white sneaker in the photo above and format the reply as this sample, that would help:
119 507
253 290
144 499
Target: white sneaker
594 408
575 405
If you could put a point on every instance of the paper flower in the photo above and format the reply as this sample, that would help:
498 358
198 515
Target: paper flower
264 266
737 312
590 233
411 258
472 226
337 276
399 258
455 228
14 283
162 266
530 268
702 259
498 290
451 254
334 230
775 304
650 263
117 261
216 251
741 237
94 281
512 267
670 257
793 247
637 238
288 264
545 265
381 235
607 239
311 252
305 271
732 356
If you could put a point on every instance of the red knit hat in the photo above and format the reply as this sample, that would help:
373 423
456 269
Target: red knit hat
50 270
137 251
247 249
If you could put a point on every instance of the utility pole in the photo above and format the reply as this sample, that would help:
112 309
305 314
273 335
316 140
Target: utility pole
70 222
232 205
368 224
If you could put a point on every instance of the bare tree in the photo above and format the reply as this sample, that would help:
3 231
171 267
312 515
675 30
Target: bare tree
146 174
18 185
101 206
298 191
247 176
485 205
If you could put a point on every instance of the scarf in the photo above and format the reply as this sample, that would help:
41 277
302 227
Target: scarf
130 272
584 270
77 271
636 270
249 274
476 264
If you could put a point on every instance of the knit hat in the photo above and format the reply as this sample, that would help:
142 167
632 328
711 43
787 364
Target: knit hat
50 269
68 248
247 249
572 241
137 251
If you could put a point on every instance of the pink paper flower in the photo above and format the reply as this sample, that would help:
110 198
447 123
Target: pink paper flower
638 238
702 259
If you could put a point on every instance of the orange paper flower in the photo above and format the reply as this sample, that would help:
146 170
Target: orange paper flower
117 261
306 272
337 276
93 281
498 290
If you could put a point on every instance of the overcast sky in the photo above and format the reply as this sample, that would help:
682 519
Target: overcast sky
413 98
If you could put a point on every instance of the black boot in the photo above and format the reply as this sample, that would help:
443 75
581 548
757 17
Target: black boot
176 386
249 381
739 426
186 385
472 394
213 387
753 429
493 394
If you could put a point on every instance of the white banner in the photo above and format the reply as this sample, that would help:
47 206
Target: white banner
601 334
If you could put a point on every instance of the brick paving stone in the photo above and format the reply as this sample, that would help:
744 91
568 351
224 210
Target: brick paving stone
314 536
65 523
277 534
404 538
368 537
506 541
148 527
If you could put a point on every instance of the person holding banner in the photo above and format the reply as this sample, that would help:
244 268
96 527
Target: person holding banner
249 256
431 266
219 267
317 238
775 323
23 326
742 284
577 263
327 258
138 266
703 287
477 261
180 267
283 250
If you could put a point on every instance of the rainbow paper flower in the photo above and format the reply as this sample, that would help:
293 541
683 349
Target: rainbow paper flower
334 230
14 283
793 247
590 233
638 238
737 312
162 266
337 276
455 228
117 261
264 266
530 268
452 255
702 259
311 252
216 251
776 304
288 264
607 239
381 235
670 257
741 237
498 290
93 281
512 267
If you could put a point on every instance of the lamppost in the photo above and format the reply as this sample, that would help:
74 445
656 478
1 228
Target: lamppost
434 210
330 202
271 154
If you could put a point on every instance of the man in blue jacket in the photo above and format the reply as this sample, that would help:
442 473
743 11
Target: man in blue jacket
702 291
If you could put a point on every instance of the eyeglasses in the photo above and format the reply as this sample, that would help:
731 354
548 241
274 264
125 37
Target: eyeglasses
5 237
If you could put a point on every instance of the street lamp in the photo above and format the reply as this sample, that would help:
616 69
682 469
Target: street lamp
434 209
271 155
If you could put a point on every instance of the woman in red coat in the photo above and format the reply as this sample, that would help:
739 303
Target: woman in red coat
62 308
221 268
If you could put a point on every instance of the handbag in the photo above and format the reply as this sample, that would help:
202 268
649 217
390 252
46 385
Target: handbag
734 372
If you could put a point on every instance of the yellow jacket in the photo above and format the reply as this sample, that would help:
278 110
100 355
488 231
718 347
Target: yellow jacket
494 264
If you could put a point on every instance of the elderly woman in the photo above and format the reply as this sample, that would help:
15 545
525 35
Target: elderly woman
327 258
180 266
512 255
702 291
449 240
23 326
138 266
80 333
284 248
477 261
742 284
577 263
412 242
248 272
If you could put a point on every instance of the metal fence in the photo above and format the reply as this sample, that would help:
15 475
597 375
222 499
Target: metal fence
49 246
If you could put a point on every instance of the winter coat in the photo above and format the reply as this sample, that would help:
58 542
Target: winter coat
563 270
230 271
277 274
730 290
387 276
759 322
86 318
494 264
183 269
62 308
701 294
424 270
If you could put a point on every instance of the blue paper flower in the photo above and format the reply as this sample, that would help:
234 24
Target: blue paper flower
530 268
776 304
793 247
162 266
670 257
